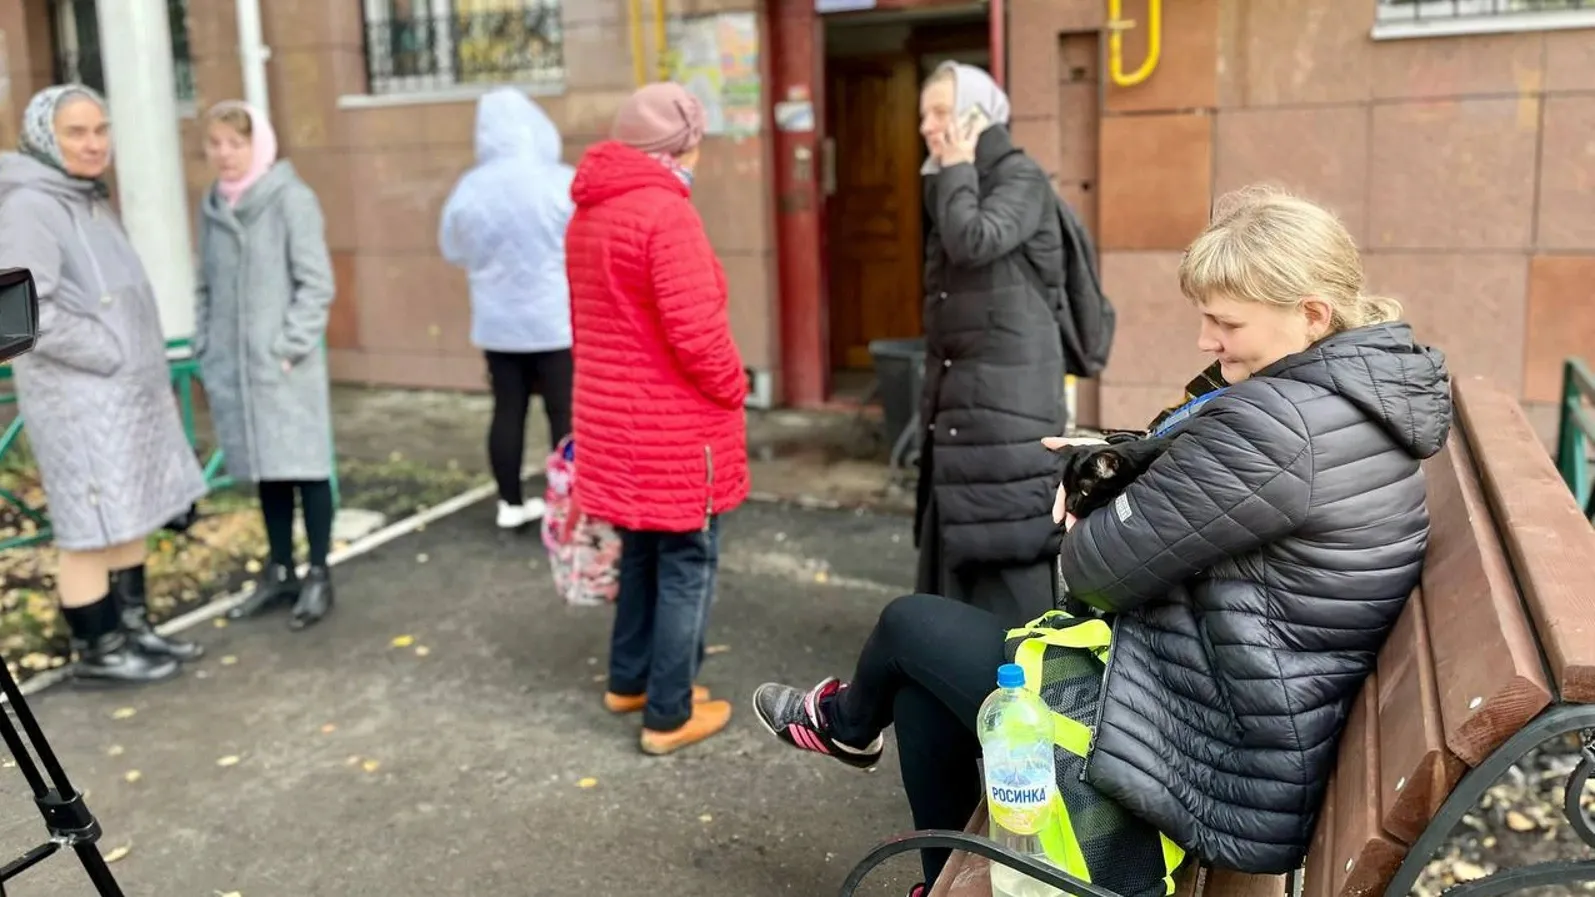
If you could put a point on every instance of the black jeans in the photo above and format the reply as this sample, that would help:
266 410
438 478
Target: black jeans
277 499
926 667
656 647
515 377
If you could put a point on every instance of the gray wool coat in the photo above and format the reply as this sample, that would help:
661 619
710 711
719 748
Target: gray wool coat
95 393
265 287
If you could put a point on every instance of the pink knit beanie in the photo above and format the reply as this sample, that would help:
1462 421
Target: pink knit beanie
660 118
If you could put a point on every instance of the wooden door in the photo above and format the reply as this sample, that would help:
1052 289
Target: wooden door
873 227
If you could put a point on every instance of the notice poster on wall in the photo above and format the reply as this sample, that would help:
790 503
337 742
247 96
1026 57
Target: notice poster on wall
717 58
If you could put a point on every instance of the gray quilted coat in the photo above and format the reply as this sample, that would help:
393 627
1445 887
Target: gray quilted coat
1256 569
95 394
994 358
265 288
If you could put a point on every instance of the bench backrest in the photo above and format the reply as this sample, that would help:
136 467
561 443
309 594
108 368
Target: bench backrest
1508 575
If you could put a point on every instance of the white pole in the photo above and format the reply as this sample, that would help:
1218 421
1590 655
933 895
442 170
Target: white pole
253 53
142 91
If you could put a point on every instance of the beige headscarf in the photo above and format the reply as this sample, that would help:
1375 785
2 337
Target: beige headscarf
972 86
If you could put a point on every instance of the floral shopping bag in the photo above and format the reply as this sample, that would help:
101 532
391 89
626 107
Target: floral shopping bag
583 551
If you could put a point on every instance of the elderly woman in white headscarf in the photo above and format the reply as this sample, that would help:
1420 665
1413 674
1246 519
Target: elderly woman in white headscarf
994 367
95 393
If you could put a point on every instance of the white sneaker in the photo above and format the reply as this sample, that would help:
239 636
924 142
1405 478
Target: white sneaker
516 516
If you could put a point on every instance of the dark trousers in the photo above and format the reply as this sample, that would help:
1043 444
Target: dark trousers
656 647
925 668
515 377
277 506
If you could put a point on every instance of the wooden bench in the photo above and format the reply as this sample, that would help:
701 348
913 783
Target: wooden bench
1493 656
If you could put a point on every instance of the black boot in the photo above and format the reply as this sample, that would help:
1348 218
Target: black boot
106 654
315 599
278 586
127 587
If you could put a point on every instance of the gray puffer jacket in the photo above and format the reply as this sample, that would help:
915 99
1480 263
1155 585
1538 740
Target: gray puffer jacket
1256 569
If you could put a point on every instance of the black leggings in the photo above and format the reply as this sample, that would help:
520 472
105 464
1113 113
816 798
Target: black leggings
277 506
926 668
515 377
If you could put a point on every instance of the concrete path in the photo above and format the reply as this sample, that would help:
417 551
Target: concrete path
476 759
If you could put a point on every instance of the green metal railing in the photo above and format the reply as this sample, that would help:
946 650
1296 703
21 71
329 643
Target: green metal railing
184 370
1576 433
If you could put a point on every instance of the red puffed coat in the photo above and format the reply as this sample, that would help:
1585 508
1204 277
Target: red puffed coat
660 432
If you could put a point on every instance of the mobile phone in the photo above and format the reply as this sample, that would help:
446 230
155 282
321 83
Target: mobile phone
974 120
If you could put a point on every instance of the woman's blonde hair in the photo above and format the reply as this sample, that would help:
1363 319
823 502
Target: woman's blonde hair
1266 245
235 118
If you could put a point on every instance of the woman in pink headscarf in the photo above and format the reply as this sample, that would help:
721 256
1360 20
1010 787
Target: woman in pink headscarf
265 287
659 427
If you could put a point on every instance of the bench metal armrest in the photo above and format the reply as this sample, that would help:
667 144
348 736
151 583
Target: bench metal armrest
933 839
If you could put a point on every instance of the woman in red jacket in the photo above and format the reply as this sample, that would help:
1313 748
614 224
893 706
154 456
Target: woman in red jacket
657 405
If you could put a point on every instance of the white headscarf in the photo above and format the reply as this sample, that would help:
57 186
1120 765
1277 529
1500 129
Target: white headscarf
972 86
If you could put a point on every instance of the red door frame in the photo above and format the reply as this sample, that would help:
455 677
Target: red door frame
797 49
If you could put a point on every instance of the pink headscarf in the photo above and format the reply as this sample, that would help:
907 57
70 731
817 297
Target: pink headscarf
263 139
661 118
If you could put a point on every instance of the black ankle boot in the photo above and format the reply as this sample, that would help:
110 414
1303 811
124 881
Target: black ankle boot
315 599
128 589
106 654
278 586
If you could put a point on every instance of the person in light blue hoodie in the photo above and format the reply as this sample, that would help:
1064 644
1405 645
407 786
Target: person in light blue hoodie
504 223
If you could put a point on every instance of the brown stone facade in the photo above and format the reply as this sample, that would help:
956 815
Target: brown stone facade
1463 165
383 167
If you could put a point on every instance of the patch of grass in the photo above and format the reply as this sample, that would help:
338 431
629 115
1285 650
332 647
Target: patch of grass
398 486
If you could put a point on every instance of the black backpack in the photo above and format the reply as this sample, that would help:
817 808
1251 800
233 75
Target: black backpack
1086 319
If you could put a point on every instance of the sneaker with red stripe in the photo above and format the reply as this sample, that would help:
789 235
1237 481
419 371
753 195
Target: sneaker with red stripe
794 716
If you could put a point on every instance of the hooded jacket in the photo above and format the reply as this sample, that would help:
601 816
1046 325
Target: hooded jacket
657 407
504 223
1254 571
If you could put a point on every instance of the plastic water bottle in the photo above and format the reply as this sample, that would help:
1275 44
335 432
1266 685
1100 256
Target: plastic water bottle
1021 784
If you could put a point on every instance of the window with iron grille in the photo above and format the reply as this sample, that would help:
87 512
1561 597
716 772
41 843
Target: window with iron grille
77 46
420 45
1482 11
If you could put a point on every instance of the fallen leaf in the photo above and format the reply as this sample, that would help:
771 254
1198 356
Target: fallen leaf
229 894
123 713
717 649
229 760
371 765
1463 870
1517 822
422 650
353 759
229 660
132 775
822 577
706 818
219 622
421 558
117 853
403 641
395 457
328 729
587 782
115 750
252 565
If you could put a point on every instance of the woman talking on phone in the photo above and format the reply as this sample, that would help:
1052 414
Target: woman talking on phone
994 359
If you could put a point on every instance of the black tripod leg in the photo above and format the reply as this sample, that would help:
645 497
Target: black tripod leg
99 872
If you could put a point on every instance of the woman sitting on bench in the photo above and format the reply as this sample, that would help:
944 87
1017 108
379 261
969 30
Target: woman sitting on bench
1251 573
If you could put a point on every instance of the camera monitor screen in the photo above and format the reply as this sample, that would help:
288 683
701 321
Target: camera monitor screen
19 313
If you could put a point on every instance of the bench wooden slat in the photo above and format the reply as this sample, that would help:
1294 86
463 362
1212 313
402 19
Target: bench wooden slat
1365 856
1225 883
1416 771
1551 543
1318 880
1487 667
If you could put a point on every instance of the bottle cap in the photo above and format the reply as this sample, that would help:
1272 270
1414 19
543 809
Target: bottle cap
1010 675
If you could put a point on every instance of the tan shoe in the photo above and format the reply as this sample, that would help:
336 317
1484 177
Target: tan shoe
707 719
633 703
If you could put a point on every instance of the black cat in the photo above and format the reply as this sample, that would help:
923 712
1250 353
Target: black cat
1094 475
